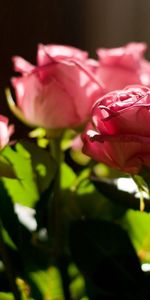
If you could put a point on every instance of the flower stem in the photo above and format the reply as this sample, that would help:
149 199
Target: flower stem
57 223
142 187
56 205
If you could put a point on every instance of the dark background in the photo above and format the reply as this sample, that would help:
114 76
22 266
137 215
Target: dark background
86 24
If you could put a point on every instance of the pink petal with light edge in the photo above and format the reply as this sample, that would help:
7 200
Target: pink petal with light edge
127 56
21 65
5 131
43 104
125 154
46 52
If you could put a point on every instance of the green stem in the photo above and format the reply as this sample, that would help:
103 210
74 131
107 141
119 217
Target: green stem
56 227
57 223
55 150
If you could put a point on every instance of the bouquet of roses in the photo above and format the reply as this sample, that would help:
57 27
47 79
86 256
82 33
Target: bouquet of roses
75 177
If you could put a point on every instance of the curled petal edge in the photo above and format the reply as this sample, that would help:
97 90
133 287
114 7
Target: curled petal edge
15 110
95 136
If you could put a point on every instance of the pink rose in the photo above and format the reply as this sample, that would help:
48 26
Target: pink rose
120 136
59 92
5 131
119 67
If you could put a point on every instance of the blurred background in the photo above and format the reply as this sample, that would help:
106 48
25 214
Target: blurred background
87 24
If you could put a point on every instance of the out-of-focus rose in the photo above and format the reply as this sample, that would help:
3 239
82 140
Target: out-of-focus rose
59 51
120 136
5 131
77 143
59 92
119 67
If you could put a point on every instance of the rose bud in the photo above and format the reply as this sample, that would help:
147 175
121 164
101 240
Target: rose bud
122 66
120 136
5 131
59 92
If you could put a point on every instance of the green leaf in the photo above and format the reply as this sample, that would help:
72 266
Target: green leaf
24 189
141 184
77 284
6 170
6 296
37 133
34 169
79 157
66 141
43 165
16 231
103 171
49 283
137 225
104 253
77 287
67 176
144 177
84 200
127 200
7 239
94 204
